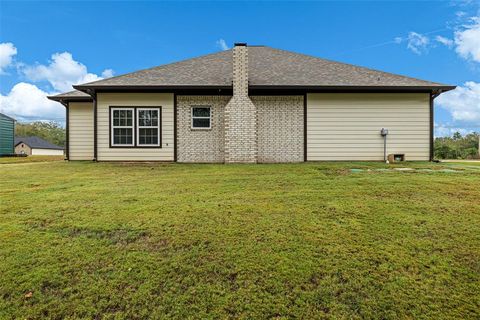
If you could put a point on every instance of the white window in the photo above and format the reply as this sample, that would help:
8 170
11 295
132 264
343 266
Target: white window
201 117
148 127
122 126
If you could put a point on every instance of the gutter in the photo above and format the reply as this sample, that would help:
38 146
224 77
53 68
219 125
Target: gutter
66 100
433 95
167 88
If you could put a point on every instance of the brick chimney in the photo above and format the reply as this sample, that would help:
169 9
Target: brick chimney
240 113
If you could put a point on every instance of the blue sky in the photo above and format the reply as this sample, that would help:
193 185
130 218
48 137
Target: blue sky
47 46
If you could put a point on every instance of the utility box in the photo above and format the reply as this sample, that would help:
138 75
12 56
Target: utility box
397 157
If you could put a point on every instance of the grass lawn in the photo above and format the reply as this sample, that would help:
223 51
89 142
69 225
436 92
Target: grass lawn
315 240
29 159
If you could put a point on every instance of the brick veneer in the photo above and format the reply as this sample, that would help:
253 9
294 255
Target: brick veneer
240 114
279 128
243 129
201 145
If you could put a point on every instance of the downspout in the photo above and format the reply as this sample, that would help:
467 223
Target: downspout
67 136
433 95
94 95
305 150
175 155
67 132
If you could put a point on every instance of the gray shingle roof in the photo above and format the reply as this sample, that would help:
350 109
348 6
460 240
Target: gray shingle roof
75 94
274 67
36 142
267 67
209 70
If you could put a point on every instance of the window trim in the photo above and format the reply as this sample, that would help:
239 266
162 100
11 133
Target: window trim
196 117
138 127
113 127
135 127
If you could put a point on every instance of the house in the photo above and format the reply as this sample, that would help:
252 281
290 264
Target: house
35 146
7 132
251 104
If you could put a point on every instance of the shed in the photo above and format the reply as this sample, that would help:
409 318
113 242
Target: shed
7 133
36 146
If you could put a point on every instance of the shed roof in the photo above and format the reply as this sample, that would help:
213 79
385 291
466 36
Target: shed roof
36 143
7 117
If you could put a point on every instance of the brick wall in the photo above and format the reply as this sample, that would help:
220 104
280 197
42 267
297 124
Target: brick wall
280 128
240 114
201 145
243 129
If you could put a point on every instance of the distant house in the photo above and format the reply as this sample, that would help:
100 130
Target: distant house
7 129
35 146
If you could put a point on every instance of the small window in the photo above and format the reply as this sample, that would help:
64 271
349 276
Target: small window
148 127
201 117
122 127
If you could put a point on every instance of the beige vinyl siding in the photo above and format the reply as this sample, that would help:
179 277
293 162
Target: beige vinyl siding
346 126
80 130
163 100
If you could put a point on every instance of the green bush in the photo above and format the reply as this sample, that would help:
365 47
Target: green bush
457 146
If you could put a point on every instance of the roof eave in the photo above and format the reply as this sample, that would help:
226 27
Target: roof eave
89 89
309 88
65 99
313 88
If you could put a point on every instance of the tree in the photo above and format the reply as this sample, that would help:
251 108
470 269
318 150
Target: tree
50 131
457 136
457 147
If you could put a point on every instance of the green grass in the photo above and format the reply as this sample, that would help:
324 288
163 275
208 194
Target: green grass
133 241
29 159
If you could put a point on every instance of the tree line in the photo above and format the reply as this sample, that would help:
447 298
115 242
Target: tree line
457 146
50 131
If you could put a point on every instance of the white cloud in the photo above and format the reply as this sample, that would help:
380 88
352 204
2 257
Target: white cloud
417 43
27 102
445 41
398 40
463 103
467 41
7 51
107 73
222 44
62 72
446 130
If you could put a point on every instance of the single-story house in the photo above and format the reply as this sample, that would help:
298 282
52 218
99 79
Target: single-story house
35 146
251 104
7 132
